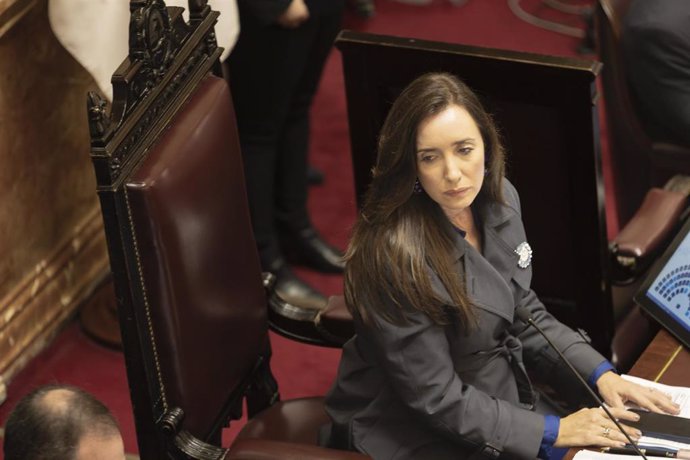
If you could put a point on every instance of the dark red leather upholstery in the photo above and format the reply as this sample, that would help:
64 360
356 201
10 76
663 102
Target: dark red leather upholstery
254 449
203 287
194 307
187 201
652 223
296 420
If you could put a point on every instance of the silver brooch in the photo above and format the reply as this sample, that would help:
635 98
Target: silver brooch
525 252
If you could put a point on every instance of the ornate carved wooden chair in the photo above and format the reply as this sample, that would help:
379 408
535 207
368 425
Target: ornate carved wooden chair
194 308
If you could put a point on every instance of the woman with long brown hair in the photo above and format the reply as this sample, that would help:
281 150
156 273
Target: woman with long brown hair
437 266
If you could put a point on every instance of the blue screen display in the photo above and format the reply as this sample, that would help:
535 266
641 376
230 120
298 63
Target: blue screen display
671 288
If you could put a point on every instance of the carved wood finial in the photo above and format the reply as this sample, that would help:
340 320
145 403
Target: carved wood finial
170 422
198 9
150 38
164 55
99 120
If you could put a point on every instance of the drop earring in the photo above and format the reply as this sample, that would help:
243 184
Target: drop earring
417 189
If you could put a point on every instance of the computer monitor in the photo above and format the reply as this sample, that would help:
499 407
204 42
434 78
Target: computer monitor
665 293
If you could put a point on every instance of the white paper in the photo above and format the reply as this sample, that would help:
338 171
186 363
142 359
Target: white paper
596 455
647 441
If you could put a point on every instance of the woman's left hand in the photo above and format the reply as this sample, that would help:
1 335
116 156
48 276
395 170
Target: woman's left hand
616 391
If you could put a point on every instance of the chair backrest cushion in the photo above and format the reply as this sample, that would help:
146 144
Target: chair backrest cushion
198 260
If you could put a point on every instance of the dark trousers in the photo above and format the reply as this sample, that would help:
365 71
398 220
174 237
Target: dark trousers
274 73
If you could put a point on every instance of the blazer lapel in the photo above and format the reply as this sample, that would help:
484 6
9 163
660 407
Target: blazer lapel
486 287
503 233
482 282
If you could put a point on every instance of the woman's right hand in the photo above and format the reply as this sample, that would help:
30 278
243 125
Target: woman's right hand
591 427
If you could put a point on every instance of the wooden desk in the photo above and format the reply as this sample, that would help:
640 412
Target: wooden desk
665 360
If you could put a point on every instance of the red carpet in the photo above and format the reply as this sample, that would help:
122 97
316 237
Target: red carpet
305 370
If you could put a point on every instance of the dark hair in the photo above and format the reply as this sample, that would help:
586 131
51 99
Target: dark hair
38 429
399 235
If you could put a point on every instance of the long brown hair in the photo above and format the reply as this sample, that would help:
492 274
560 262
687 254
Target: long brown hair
400 235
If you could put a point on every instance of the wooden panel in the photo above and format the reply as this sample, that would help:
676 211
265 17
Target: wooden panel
51 236
32 313
11 11
545 108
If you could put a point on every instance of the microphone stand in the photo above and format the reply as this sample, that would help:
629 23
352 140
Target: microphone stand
524 315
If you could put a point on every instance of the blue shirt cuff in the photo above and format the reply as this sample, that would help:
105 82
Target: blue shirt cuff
602 368
552 424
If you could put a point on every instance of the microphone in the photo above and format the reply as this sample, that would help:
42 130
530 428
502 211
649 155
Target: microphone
524 315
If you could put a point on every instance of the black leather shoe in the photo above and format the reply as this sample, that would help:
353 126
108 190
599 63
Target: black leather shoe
306 247
295 291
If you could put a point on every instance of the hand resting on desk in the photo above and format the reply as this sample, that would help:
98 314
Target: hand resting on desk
616 392
591 427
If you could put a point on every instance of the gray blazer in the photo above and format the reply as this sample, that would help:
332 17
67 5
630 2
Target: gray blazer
428 391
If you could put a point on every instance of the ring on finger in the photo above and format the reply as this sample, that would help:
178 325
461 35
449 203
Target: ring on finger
607 432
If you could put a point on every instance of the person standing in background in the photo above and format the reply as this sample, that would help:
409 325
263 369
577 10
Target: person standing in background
656 49
274 71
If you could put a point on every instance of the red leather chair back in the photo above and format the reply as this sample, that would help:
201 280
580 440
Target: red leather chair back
193 305
199 265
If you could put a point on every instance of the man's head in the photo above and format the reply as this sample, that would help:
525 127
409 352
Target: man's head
62 423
